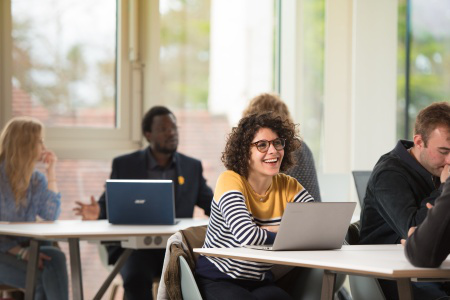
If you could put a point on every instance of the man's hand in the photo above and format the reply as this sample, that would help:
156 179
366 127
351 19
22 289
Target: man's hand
87 211
271 228
411 231
445 173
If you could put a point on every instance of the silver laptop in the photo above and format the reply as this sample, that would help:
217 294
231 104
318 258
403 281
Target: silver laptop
140 202
312 226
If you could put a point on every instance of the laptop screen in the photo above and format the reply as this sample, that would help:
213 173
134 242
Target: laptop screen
149 202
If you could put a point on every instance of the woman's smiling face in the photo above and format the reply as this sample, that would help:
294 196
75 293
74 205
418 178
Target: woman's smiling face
265 164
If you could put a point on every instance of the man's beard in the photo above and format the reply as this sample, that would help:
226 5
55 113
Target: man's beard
165 150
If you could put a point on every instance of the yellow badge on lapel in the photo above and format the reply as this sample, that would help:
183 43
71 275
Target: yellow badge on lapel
181 180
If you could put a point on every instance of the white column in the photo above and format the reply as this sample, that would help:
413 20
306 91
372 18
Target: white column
337 87
374 92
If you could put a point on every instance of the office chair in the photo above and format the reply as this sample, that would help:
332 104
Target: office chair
361 287
365 288
309 281
361 179
189 288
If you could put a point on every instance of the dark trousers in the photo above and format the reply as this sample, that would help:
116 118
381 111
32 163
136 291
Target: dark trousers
420 290
240 290
139 272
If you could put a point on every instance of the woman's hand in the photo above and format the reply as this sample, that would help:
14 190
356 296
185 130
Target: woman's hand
24 254
49 159
42 257
271 228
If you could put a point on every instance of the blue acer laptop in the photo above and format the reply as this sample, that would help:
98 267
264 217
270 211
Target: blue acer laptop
140 202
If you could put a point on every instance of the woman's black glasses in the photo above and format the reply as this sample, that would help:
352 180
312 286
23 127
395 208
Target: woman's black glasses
263 145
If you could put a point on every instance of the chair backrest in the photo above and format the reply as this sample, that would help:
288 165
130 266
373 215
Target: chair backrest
189 288
365 288
352 237
362 288
178 280
361 179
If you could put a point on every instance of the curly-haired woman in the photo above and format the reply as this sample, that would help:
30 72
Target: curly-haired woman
24 194
249 201
304 169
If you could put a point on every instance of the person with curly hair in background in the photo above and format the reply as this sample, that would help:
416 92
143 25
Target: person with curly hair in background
249 201
26 193
304 169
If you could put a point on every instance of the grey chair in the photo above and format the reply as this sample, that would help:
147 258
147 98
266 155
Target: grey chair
307 285
189 288
361 179
365 288
362 288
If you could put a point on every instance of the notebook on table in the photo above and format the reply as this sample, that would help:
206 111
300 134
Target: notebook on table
312 226
140 202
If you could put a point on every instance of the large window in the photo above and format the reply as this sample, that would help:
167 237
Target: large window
64 62
67 63
424 59
214 57
312 17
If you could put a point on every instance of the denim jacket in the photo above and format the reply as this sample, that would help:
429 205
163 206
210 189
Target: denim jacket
40 201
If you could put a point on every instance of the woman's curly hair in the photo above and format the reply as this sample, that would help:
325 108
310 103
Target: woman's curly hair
236 155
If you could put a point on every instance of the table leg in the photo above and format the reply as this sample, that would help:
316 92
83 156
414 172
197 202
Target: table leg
32 270
75 267
404 289
120 262
328 283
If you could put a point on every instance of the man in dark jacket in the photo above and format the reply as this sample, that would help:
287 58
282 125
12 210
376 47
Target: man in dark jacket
429 245
159 161
404 180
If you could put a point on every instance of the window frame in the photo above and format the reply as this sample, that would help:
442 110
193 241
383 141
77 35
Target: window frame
89 143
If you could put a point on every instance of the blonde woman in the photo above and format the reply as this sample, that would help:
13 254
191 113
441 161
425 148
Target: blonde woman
26 193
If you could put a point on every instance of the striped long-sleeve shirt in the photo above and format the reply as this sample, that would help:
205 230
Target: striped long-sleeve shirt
237 213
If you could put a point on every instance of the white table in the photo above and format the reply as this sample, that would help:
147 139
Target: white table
380 261
72 231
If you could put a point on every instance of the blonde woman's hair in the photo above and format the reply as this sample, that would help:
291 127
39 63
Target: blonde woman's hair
19 142
268 102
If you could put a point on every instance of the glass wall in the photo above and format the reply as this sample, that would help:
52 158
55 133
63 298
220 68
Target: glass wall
429 61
